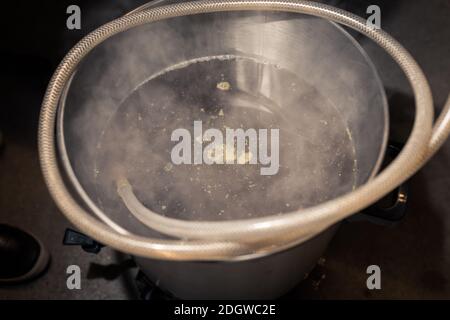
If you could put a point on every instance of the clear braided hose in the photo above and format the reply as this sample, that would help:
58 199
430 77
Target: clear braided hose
240 239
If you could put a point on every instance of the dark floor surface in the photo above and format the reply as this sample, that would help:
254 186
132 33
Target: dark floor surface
414 255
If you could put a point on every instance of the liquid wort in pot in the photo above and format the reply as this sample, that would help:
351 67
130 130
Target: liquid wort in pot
315 148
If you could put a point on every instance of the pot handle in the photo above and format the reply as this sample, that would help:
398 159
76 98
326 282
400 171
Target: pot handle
380 213
75 238
393 213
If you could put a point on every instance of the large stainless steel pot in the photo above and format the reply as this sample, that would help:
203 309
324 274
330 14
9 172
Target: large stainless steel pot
92 88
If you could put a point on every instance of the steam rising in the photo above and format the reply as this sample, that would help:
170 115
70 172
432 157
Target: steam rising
316 156
155 79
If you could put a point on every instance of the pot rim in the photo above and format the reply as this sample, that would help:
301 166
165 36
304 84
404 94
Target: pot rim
82 194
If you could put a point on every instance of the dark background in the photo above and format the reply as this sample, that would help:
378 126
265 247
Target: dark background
414 255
